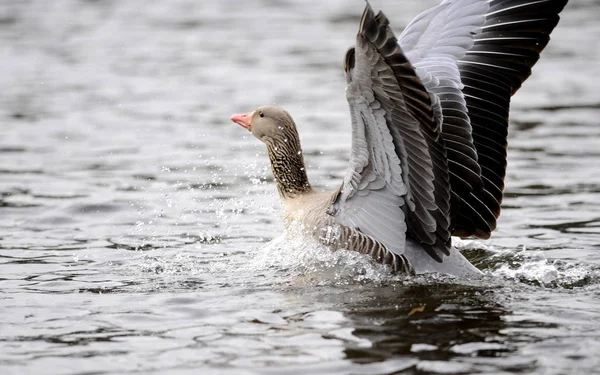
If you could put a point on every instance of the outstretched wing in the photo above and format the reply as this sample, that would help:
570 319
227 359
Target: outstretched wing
396 185
473 55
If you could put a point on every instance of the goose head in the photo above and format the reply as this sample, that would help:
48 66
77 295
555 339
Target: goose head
269 124
276 128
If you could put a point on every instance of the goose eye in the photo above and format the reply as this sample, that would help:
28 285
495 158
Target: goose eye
261 114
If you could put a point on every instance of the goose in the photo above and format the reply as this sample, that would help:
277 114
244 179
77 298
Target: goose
429 113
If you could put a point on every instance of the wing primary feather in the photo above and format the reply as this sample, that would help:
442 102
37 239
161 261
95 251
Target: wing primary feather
393 111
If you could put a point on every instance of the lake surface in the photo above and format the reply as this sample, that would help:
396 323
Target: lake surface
140 231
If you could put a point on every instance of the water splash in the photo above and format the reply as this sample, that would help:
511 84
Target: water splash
527 266
533 267
306 261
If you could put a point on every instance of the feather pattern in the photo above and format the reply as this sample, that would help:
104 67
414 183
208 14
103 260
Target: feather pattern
503 53
472 55
398 157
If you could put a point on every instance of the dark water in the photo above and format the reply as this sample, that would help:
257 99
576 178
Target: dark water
136 221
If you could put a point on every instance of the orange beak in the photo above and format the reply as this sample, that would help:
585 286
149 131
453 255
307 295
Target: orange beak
243 120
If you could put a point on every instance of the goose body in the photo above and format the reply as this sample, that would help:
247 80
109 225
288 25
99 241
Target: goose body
429 115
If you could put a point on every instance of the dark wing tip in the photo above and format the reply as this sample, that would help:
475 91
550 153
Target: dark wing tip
349 60
501 59
367 20
368 29
375 29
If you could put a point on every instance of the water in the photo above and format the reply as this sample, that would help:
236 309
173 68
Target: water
140 231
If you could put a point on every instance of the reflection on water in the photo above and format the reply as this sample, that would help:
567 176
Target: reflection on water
432 322
139 228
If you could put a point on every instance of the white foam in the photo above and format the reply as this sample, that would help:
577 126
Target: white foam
534 267
301 256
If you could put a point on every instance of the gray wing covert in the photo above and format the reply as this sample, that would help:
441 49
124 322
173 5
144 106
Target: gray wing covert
396 185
